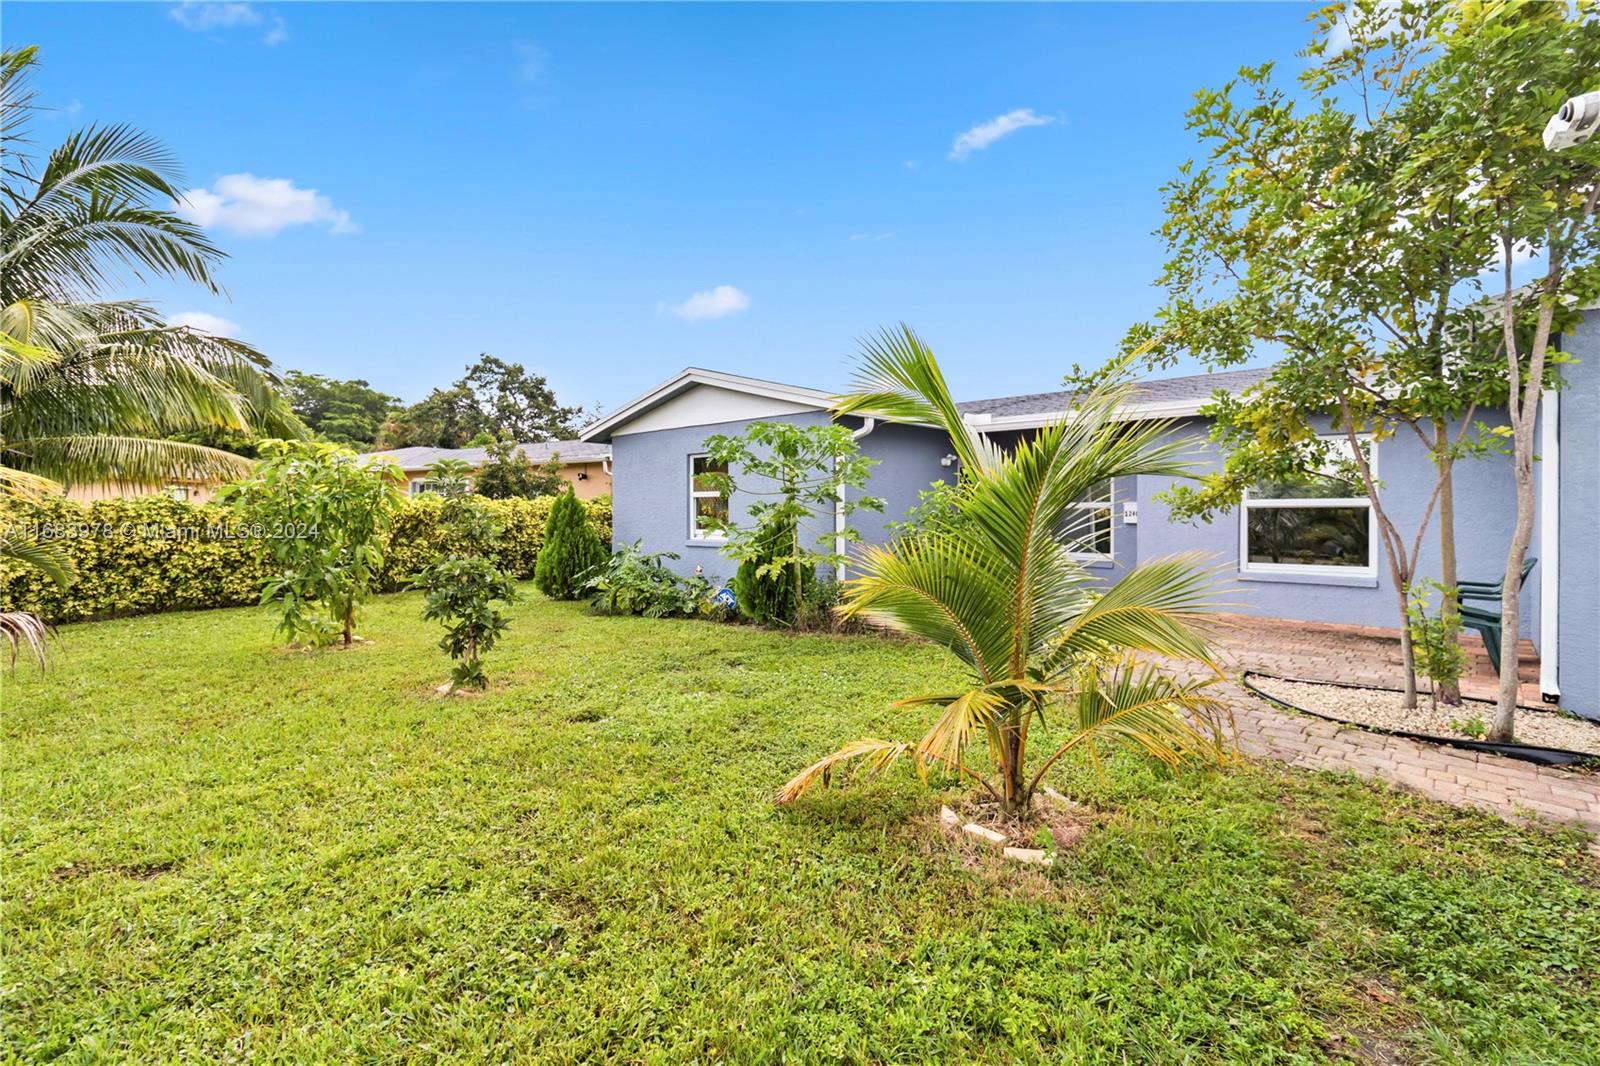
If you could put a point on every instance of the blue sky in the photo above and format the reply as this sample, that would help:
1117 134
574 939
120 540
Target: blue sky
556 184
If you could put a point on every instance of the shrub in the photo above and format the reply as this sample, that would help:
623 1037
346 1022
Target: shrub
148 554
321 513
1438 653
570 548
764 584
461 588
634 582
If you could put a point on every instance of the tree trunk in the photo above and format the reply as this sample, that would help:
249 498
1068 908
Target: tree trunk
1447 692
349 627
1016 785
1503 730
1408 653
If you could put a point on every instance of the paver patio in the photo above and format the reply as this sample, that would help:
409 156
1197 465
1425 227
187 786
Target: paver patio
1511 788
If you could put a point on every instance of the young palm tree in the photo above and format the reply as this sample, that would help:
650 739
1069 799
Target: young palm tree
999 587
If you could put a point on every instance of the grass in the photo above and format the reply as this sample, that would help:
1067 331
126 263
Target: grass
218 849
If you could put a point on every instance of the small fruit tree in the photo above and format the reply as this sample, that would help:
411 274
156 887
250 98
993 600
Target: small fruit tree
318 512
796 473
462 586
571 547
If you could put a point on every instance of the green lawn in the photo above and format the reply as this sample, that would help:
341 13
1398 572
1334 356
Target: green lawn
217 849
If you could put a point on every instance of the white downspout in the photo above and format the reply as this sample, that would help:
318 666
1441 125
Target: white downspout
839 542
1550 545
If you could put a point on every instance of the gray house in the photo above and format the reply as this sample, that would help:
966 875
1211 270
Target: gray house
658 448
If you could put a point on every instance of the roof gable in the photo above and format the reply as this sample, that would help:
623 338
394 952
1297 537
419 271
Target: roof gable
705 397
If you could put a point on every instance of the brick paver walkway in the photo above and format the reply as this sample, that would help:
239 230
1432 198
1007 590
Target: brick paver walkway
1513 789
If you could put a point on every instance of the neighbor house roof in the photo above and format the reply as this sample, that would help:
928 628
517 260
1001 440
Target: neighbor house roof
1155 397
693 376
568 451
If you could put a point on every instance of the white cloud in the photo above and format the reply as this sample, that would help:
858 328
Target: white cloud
533 60
1521 252
714 303
198 16
203 17
1375 24
873 237
984 134
256 206
206 323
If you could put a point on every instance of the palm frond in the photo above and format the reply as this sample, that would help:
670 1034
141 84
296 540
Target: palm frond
900 380
125 461
43 556
1151 610
1133 705
21 631
936 588
876 755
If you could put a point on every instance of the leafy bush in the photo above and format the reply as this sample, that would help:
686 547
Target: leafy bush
635 582
1439 655
462 588
148 554
321 512
765 581
570 548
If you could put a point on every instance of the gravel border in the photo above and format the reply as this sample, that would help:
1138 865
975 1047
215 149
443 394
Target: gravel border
1384 709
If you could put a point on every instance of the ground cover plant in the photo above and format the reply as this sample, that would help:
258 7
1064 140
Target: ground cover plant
238 852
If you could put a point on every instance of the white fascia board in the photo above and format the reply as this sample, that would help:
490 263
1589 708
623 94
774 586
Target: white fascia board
773 390
1131 413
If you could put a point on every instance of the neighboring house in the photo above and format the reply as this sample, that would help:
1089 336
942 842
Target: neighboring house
188 490
1271 565
585 466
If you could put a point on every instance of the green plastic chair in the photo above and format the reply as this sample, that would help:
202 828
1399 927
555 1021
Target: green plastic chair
1483 619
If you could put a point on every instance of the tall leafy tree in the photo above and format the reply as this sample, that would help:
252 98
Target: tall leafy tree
1503 69
342 412
1317 231
493 397
1000 589
508 473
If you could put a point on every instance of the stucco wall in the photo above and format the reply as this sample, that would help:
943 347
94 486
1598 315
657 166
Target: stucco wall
1485 512
1578 606
650 486
650 492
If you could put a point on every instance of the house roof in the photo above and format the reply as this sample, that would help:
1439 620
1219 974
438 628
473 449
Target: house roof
569 451
1178 395
692 376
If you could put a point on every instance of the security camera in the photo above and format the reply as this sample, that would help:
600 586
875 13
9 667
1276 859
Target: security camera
1575 123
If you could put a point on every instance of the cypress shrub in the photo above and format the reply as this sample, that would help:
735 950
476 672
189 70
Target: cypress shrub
770 599
570 548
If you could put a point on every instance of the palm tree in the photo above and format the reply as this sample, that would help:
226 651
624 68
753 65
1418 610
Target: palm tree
999 587
91 389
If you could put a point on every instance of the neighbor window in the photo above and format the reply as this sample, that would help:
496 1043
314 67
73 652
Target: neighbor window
423 484
707 503
1318 524
1088 523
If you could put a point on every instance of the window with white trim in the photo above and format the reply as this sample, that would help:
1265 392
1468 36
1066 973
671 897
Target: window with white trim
1321 524
1088 526
420 485
708 504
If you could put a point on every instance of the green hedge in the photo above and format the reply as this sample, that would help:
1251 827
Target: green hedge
151 553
